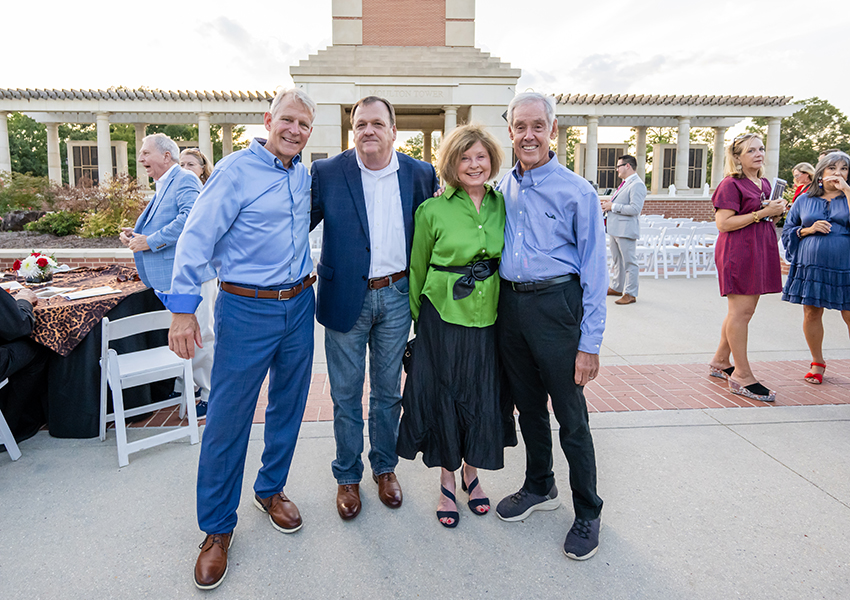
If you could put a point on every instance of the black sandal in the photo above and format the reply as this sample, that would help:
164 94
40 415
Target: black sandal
473 504
448 514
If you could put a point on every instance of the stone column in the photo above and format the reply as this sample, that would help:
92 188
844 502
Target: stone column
5 153
683 147
640 133
141 174
104 149
451 119
204 139
426 146
771 159
562 145
591 157
54 160
719 158
226 140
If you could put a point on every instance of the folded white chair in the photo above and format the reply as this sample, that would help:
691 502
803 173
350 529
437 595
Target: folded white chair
6 437
120 371
674 251
702 249
646 249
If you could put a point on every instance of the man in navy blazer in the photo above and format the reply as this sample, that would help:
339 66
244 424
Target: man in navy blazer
367 197
154 239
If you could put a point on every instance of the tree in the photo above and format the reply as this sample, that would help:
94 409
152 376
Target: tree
572 138
414 146
27 145
816 126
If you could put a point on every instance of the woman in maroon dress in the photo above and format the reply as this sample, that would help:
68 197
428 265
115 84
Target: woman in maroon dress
747 257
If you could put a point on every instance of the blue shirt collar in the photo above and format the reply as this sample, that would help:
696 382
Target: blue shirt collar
258 148
537 174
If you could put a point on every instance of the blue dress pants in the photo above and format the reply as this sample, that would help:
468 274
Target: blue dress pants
253 337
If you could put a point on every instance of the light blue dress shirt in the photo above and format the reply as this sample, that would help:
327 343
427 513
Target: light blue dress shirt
251 221
554 227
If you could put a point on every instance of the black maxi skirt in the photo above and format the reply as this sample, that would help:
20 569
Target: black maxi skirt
453 405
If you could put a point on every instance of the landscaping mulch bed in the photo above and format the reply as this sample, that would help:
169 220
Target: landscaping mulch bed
29 240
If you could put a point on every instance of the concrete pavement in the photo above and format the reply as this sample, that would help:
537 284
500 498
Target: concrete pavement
720 503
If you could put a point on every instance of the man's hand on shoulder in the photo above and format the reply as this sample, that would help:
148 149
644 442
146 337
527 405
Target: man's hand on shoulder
587 367
184 334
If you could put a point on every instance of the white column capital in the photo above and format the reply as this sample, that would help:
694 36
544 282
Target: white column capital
450 119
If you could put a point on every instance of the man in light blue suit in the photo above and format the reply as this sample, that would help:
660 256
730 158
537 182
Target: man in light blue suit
367 197
154 239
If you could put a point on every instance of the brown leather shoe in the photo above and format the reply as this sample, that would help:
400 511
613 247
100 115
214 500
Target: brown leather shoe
211 566
389 489
282 511
348 501
626 299
613 292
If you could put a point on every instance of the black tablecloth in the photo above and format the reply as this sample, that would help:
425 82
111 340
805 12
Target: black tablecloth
73 382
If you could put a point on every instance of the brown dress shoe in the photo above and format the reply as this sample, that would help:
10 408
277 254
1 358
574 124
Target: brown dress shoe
613 292
211 566
626 299
348 501
282 511
389 489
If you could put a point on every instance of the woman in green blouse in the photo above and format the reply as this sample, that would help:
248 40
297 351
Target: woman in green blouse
451 397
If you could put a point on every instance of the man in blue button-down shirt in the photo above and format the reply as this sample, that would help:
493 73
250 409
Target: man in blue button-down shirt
551 317
252 222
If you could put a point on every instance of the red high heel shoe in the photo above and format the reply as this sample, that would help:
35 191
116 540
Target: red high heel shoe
815 378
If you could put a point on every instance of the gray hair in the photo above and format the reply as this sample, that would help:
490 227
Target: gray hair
294 94
830 159
164 144
529 97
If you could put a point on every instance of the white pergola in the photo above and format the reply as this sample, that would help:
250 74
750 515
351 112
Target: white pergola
140 107
683 112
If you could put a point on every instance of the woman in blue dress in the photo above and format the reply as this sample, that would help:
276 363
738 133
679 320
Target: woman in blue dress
817 245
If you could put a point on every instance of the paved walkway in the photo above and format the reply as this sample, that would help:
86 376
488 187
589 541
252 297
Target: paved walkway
704 504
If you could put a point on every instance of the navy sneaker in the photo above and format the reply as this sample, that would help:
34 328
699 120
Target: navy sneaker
519 506
583 539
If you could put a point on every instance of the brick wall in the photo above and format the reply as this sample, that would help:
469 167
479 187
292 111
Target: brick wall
404 23
74 258
697 209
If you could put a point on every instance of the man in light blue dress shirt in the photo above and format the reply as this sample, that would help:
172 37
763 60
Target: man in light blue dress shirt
551 317
252 223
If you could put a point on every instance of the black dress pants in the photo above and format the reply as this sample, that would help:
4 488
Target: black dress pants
24 399
538 334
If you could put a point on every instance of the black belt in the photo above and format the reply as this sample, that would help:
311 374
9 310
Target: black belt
536 286
476 271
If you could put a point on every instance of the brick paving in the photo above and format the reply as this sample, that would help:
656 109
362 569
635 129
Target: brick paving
629 388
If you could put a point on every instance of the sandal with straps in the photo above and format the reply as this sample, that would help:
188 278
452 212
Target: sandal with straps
815 378
474 504
720 373
448 514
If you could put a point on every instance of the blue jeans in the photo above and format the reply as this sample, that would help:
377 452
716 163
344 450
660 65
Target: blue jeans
383 325
253 337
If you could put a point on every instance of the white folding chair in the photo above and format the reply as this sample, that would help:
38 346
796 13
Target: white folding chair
702 249
6 437
674 251
646 249
120 371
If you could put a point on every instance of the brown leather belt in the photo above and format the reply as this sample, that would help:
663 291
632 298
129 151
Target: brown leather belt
382 282
269 294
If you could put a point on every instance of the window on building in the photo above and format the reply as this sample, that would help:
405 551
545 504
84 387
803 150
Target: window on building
694 167
607 167
85 165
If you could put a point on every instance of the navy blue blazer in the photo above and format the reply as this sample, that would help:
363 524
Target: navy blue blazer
343 268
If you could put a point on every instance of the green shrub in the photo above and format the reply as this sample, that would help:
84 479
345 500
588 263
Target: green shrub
24 192
60 223
120 202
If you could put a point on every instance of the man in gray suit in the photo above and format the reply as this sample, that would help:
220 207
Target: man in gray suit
622 212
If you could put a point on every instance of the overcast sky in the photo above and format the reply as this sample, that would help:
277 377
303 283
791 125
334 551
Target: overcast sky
739 47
